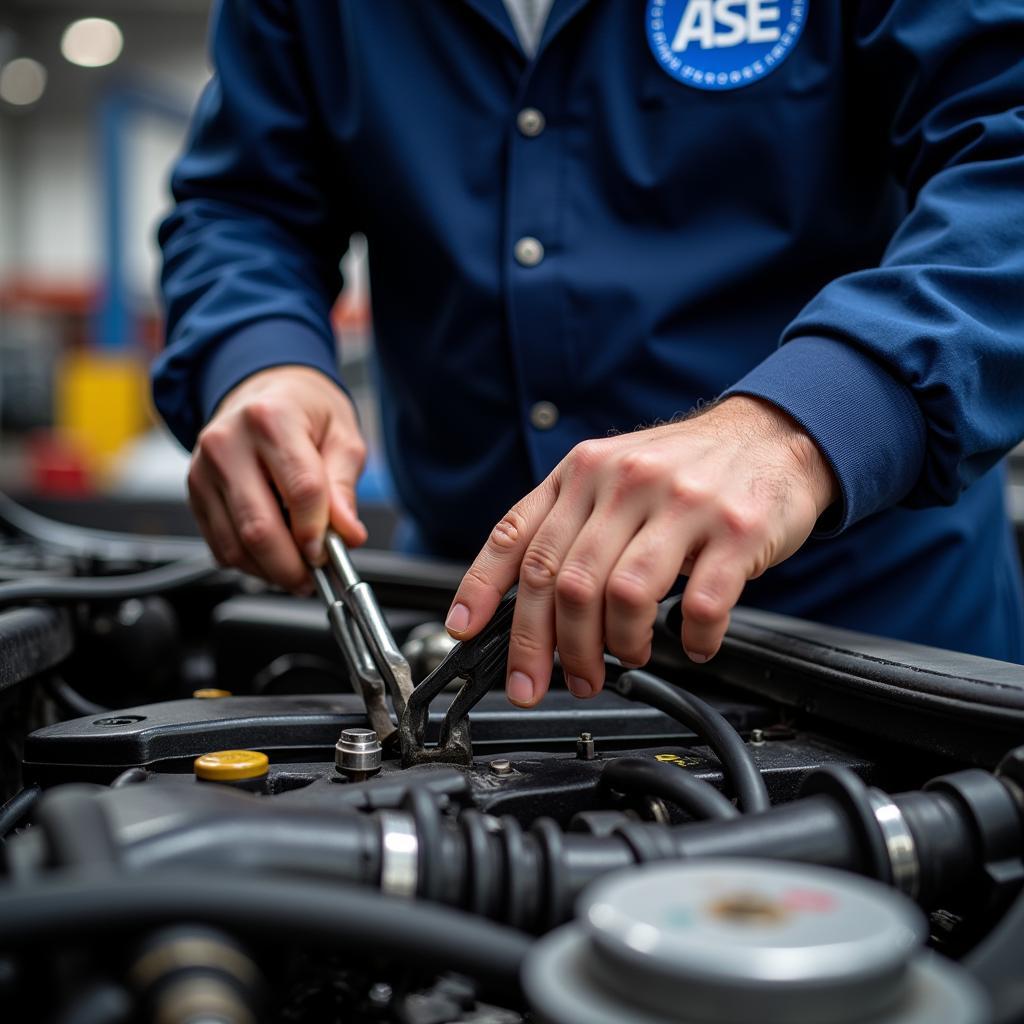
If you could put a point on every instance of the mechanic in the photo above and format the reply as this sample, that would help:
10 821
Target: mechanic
589 216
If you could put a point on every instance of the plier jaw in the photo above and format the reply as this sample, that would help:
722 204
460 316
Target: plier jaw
480 662
378 668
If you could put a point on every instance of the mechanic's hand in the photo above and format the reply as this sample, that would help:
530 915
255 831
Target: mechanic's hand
720 497
289 428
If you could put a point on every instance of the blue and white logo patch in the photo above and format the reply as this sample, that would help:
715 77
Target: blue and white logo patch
723 44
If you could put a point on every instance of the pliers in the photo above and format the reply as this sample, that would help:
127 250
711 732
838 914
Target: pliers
377 666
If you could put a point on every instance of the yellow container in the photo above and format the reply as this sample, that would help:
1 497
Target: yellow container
102 402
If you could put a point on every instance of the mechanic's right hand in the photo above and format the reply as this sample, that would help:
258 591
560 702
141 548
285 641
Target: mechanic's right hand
292 429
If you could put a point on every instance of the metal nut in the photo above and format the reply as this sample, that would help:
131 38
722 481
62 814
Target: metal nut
500 766
358 753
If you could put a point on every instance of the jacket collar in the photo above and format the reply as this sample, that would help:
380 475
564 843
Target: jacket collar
495 13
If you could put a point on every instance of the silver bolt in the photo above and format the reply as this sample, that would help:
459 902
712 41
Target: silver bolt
357 753
585 747
501 766
757 737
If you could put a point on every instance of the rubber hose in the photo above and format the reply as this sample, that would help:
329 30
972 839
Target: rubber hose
66 906
709 724
638 776
109 588
17 809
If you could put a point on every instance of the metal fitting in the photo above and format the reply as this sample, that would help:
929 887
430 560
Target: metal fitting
757 737
501 766
899 843
400 854
358 754
585 750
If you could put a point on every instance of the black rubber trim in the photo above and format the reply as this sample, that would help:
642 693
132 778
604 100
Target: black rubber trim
32 641
944 702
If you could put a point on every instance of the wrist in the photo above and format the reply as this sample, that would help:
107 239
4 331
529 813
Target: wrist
762 418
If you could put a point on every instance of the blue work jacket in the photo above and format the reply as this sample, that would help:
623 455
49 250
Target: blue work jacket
607 234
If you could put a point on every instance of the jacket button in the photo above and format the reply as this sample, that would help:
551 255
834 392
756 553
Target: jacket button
530 122
543 415
528 252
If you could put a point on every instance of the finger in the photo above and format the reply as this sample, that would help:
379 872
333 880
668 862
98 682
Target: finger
261 527
296 467
580 593
219 533
532 643
642 576
496 567
343 464
715 585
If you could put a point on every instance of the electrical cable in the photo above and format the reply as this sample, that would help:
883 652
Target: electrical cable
637 776
709 724
71 907
17 809
109 588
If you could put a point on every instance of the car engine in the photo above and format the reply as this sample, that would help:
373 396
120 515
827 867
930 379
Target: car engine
203 823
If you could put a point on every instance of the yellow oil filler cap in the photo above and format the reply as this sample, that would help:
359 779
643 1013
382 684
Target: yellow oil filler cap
210 693
231 766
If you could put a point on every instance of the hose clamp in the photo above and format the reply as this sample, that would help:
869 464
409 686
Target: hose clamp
899 843
400 854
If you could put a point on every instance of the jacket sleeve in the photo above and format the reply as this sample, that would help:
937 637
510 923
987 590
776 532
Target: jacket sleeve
910 375
252 247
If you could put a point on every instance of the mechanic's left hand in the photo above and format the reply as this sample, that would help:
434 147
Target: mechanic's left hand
720 497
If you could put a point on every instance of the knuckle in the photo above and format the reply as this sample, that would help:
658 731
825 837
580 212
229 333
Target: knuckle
539 569
261 416
629 591
508 530
576 586
585 456
525 646
686 494
742 522
702 607
256 533
476 576
213 444
638 468
304 488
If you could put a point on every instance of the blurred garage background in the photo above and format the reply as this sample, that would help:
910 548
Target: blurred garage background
94 98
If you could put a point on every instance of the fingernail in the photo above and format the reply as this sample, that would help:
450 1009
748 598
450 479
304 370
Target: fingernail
578 686
698 658
458 619
519 688
314 551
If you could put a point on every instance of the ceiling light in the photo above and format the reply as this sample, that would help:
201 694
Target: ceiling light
22 81
92 42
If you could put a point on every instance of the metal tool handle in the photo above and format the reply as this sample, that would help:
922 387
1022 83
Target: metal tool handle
362 606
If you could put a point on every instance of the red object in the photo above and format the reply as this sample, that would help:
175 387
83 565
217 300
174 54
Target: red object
57 467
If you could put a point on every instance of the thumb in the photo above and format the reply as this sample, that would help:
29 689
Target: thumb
343 463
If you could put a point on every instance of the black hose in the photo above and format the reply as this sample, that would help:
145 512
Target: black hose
70 702
710 725
17 809
641 777
109 588
67 907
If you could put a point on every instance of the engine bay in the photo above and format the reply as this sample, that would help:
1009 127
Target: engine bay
200 826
